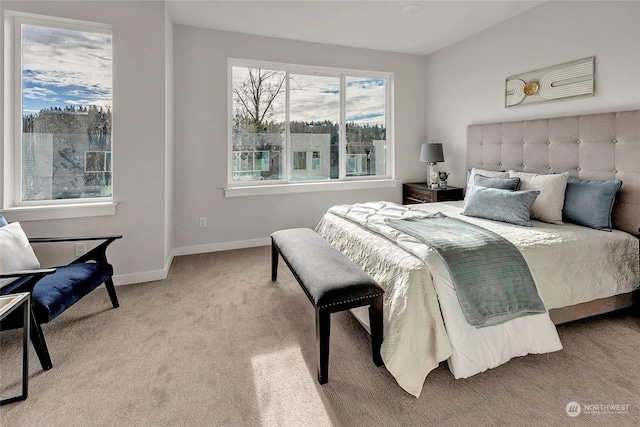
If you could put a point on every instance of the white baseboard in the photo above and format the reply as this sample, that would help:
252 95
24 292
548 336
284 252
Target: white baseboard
151 276
225 246
144 276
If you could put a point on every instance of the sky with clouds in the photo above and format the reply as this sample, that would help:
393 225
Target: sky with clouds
71 68
65 68
317 98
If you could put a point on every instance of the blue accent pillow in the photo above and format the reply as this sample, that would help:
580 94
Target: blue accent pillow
513 207
3 221
590 202
501 183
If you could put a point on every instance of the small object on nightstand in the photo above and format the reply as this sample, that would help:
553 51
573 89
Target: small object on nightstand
420 192
443 179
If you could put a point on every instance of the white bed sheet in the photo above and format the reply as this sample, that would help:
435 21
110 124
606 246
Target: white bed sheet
415 337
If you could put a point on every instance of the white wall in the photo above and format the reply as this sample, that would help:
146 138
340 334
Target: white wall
140 126
201 98
465 82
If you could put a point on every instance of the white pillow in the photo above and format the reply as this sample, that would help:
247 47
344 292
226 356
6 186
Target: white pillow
15 251
548 206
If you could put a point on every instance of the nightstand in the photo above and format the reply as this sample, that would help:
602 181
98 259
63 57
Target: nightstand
421 193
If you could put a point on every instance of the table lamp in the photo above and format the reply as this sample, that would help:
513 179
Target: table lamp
431 153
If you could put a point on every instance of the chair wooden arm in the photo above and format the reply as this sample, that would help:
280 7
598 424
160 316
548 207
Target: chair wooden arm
26 273
71 239
98 254
27 285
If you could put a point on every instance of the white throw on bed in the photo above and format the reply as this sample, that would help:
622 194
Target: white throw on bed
571 264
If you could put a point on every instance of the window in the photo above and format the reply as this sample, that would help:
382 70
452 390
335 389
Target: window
357 164
97 161
299 160
310 124
61 150
250 162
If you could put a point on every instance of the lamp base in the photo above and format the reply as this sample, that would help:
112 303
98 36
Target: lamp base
432 178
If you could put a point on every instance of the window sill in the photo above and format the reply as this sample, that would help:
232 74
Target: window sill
80 210
307 187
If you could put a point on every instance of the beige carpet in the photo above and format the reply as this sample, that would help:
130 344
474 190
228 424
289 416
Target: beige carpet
219 344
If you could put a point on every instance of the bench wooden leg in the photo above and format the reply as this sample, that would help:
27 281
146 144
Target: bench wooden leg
274 261
375 323
323 329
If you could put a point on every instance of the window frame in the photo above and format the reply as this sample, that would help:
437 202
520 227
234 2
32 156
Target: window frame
11 186
287 185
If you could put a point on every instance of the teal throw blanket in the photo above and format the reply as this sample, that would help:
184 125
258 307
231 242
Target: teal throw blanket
491 277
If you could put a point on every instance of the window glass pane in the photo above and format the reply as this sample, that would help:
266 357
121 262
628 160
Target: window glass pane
258 124
365 127
66 112
314 114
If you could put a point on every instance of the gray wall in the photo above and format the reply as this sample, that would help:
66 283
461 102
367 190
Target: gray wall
170 112
141 120
465 82
201 99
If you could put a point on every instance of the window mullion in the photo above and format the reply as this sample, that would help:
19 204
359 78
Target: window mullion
342 157
288 165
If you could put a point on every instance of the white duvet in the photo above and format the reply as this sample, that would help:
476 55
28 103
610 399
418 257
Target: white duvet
424 324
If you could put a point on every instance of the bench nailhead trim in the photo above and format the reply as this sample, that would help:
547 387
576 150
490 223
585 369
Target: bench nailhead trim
352 299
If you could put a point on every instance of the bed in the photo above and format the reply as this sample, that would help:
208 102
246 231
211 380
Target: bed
424 324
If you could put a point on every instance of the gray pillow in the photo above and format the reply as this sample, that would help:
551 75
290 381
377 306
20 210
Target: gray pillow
590 202
501 183
472 172
500 205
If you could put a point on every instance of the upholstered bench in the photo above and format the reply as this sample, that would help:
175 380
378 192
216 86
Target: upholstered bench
332 283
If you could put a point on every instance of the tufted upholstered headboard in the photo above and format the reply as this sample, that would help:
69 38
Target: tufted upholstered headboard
594 146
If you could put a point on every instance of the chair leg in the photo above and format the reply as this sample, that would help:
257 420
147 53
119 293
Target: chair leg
375 323
111 289
39 344
274 262
323 329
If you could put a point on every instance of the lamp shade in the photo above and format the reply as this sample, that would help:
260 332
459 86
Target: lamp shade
431 153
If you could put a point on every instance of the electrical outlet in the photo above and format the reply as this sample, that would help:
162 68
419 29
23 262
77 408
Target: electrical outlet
81 248
203 221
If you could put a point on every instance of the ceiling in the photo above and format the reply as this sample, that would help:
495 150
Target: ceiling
417 27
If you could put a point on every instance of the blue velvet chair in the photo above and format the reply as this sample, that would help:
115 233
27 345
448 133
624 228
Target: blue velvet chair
53 290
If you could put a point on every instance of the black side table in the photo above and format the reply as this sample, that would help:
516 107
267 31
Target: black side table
8 304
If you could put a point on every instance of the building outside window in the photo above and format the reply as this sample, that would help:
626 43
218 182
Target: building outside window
314 124
62 91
